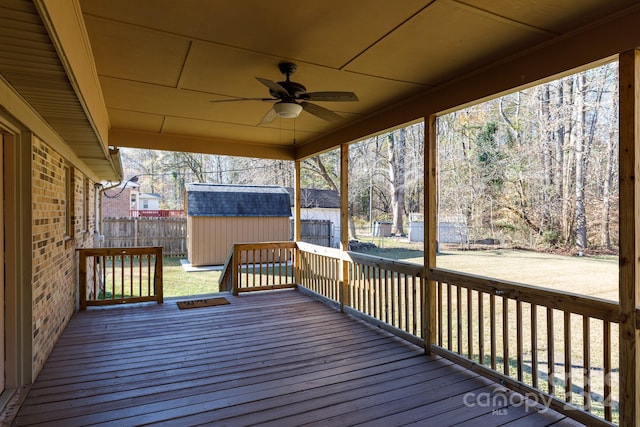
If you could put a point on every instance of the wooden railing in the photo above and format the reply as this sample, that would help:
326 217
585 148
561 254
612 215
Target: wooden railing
262 266
388 291
383 291
225 282
318 269
558 348
119 275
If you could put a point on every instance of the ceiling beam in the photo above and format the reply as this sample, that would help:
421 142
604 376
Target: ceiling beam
193 144
595 43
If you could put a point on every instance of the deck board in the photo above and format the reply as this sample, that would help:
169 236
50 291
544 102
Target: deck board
275 358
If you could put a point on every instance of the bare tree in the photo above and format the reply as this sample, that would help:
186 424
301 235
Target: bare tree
396 158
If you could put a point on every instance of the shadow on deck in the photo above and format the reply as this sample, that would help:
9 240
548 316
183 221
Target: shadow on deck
276 358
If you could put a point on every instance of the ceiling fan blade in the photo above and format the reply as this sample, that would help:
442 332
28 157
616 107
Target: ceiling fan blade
273 86
269 117
243 99
321 112
330 96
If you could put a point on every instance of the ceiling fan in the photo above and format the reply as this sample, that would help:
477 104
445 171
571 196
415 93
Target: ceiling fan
292 98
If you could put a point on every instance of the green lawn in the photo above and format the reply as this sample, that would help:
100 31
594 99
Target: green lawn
178 282
597 277
594 276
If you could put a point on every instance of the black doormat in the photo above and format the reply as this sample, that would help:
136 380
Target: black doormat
197 303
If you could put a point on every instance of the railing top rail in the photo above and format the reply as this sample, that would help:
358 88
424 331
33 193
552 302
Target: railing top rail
575 303
264 245
320 250
386 263
364 259
136 250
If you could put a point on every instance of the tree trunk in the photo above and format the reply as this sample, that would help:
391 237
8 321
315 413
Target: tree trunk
581 169
546 147
322 171
396 150
605 233
568 169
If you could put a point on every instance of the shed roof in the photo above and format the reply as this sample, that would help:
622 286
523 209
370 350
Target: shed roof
316 198
237 200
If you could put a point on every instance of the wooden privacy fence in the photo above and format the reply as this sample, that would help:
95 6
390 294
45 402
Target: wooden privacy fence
315 231
556 348
169 233
119 275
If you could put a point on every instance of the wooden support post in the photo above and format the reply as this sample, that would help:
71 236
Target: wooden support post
430 232
297 222
158 284
236 270
629 238
82 279
344 222
297 235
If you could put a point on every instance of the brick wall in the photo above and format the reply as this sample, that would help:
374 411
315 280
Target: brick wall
118 205
54 244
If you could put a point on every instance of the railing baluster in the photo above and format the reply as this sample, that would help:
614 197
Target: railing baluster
378 294
260 251
280 280
366 306
586 357
492 329
121 264
519 344
550 353
95 277
481 327
329 278
414 305
469 324
449 317
357 283
355 286
398 299
407 295
314 271
459 316
244 254
151 260
384 300
439 289
534 345
606 342
567 357
505 334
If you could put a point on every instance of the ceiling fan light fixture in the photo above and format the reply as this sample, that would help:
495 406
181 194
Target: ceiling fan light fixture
287 110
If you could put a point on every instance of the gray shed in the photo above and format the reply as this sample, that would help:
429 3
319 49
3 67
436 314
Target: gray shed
220 215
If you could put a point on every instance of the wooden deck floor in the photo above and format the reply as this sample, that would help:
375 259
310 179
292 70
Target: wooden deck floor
278 358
